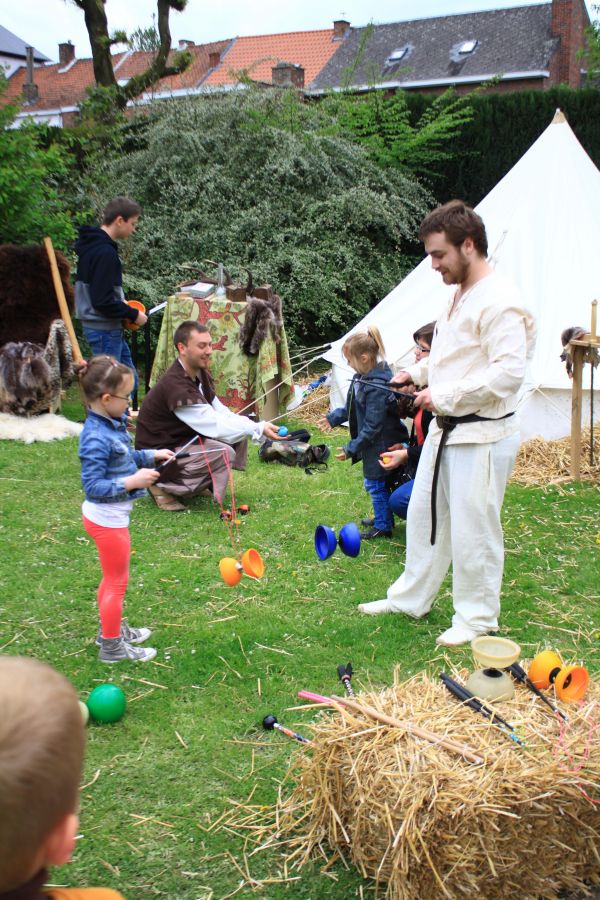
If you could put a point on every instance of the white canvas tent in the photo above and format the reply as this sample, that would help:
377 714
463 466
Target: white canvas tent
543 226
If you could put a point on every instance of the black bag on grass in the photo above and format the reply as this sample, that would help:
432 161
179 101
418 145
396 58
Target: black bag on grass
295 451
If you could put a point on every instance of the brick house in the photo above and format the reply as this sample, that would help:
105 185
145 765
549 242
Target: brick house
279 59
527 47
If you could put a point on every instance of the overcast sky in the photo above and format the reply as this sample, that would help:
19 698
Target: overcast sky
46 23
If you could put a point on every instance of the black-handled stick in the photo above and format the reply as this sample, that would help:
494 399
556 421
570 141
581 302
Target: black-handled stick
345 674
180 453
469 699
270 722
520 675
387 386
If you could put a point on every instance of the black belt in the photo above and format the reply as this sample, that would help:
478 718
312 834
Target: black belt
448 424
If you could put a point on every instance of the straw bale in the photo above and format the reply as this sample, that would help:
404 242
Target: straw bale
540 461
422 822
314 406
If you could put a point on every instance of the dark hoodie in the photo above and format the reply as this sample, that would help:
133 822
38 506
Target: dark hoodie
99 299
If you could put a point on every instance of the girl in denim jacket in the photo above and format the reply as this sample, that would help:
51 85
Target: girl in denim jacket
374 424
113 476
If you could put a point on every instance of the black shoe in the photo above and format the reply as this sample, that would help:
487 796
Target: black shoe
368 522
374 533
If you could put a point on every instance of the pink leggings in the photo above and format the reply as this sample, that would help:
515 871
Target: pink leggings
114 546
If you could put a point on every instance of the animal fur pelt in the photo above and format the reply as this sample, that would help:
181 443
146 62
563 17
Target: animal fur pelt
47 427
263 317
576 333
31 376
28 301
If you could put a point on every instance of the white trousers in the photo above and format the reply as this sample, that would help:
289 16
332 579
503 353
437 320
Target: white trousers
470 491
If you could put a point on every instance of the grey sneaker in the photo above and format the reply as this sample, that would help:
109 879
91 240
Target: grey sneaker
114 650
129 634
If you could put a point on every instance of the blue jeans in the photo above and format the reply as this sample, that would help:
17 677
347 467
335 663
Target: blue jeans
399 499
111 343
379 493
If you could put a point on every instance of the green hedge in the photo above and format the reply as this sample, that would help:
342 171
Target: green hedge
503 127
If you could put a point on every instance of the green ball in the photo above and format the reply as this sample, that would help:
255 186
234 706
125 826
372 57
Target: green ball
106 703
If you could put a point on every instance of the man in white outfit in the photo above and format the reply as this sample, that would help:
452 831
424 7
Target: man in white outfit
476 366
183 403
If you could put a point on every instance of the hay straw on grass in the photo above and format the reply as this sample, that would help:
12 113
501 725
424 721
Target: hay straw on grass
420 821
540 461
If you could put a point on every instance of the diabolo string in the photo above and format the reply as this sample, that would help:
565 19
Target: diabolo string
229 517
560 749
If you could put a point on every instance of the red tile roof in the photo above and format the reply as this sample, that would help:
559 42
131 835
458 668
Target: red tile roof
67 88
257 55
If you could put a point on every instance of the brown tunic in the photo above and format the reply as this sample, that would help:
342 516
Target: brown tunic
157 425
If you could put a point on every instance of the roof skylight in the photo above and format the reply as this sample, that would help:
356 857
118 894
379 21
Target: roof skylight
398 54
468 46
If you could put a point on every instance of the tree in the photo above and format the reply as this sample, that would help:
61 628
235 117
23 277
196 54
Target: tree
101 42
255 179
590 55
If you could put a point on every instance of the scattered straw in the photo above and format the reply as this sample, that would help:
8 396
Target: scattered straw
540 461
420 821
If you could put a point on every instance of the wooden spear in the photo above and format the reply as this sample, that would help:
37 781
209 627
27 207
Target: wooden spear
62 300
416 730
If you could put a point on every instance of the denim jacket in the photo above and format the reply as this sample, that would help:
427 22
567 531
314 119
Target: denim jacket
107 458
373 418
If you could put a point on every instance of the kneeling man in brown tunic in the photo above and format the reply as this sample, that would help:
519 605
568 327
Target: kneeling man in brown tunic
183 403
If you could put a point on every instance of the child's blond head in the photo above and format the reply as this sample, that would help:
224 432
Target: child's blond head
42 743
367 343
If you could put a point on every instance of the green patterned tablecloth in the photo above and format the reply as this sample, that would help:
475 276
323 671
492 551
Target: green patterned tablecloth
240 379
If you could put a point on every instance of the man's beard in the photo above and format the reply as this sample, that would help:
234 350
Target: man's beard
458 274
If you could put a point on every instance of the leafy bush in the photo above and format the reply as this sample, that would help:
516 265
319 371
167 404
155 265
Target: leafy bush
261 180
31 204
394 135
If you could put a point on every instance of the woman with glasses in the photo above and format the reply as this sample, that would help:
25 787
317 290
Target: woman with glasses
409 456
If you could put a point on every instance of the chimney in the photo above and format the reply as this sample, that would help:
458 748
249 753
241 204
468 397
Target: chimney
30 90
569 20
287 75
66 53
214 58
184 44
340 29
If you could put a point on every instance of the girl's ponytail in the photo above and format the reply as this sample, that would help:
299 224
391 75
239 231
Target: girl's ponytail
368 342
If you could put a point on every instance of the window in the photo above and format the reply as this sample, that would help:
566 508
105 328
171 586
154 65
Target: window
467 46
398 54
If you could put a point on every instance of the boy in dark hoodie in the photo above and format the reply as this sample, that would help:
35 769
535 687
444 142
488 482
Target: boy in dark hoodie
99 300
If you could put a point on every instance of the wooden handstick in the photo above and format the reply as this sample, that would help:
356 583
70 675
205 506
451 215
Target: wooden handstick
373 713
430 736
62 300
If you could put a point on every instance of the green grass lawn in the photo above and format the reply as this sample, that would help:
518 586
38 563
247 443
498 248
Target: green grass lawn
191 742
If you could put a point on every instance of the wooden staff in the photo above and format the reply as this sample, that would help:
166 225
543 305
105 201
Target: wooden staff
430 736
62 301
416 730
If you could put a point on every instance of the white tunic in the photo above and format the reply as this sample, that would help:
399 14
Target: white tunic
478 360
